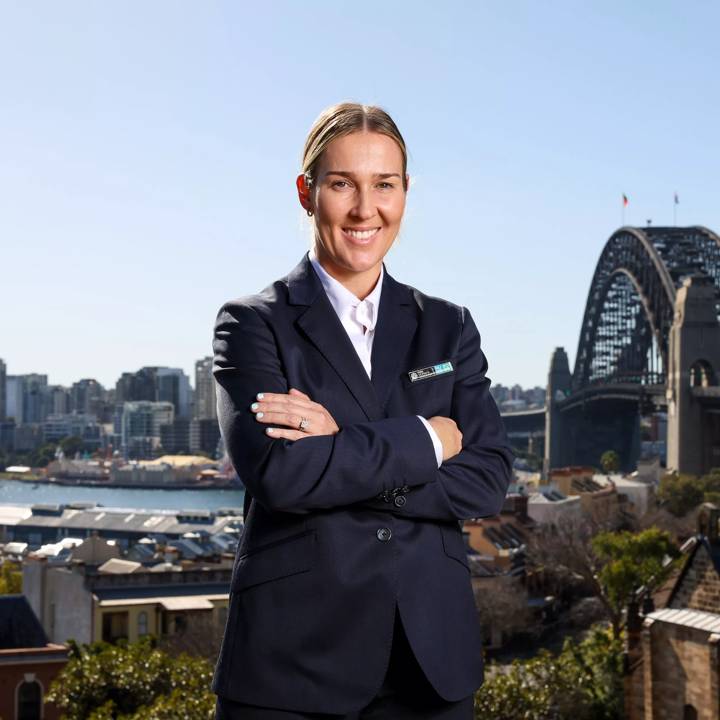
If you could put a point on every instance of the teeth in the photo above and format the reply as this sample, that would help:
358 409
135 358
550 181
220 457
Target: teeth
361 234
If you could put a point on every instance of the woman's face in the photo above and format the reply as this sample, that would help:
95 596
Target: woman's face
358 201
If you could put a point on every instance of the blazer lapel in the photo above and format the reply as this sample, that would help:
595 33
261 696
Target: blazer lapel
323 328
394 330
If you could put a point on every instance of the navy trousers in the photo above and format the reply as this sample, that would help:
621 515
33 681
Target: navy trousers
405 694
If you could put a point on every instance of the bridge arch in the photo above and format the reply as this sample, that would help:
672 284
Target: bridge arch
630 304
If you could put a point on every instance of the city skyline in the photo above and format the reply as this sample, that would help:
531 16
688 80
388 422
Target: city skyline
143 189
190 377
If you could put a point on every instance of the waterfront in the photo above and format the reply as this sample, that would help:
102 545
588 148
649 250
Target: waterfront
20 492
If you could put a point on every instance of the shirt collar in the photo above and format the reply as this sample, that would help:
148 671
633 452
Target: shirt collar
342 300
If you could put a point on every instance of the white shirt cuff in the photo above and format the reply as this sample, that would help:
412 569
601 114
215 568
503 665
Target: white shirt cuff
437 444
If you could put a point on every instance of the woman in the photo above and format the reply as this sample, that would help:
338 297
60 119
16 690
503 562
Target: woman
357 412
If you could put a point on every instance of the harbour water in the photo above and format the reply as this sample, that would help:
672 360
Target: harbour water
20 492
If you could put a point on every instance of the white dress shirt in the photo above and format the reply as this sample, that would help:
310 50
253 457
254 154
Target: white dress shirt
359 317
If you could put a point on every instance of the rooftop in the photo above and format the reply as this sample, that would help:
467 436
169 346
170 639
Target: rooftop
181 460
19 626
122 521
699 619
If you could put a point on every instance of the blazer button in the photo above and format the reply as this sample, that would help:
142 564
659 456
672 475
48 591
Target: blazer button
400 500
384 534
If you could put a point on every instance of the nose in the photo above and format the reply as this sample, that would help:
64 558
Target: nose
363 207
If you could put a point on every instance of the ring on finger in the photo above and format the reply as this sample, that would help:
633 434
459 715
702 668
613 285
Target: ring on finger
304 423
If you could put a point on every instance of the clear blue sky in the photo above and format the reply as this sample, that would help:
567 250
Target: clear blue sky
148 153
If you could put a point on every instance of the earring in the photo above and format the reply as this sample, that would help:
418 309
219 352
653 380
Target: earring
309 212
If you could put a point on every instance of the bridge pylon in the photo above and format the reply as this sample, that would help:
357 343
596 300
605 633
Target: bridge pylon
693 428
557 452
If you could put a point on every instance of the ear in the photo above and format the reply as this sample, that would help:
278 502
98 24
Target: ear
303 192
407 181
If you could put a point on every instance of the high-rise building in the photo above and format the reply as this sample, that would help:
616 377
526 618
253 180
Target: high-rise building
140 424
86 427
35 398
205 397
156 384
27 398
173 385
135 386
13 398
204 436
58 400
3 390
175 436
88 397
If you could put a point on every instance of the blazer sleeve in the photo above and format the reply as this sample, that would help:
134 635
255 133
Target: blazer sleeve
357 463
473 483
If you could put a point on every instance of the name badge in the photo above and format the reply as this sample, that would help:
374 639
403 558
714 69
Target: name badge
430 371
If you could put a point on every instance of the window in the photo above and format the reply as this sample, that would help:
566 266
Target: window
29 701
180 623
142 624
114 626
689 713
701 375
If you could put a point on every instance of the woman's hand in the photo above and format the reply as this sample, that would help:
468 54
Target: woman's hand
289 409
449 434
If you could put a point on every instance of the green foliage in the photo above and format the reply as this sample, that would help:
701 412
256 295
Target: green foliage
136 681
72 444
42 456
610 461
681 493
582 682
10 578
630 561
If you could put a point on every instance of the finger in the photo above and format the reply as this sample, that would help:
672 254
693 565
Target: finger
299 393
290 419
275 432
274 397
295 408
287 403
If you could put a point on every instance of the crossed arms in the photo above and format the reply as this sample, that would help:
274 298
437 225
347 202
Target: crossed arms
365 459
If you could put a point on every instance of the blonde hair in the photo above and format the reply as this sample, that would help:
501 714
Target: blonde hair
343 119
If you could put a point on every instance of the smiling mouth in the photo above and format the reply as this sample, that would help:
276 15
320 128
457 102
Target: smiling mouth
361 234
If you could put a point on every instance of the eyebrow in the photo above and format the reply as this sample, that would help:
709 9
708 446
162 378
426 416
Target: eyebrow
347 173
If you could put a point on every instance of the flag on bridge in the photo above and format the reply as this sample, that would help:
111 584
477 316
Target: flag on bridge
625 200
677 199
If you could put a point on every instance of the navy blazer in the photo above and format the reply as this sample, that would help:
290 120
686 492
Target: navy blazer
343 527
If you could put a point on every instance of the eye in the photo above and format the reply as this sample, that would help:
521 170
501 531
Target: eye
385 185
340 184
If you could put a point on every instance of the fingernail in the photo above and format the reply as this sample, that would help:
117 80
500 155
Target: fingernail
260 396
254 406
270 430
259 415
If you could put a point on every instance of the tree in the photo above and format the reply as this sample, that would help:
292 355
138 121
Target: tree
628 562
134 681
42 456
610 461
680 493
201 638
10 578
582 682
502 606
612 564
711 486
71 445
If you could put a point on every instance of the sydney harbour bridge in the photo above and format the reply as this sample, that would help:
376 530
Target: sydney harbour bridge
649 343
